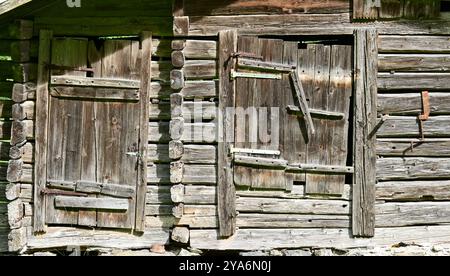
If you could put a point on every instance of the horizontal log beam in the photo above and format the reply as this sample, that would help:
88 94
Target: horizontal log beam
414 81
413 147
413 191
258 239
397 126
413 44
411 103
414 63
413 168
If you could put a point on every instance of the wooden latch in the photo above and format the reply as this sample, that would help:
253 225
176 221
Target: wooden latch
425 113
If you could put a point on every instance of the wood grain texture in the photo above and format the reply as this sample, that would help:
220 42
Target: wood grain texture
413 147
414 44
145 72
258 239
408 126
363 222
42 104
241 7
412 168
414 81
411 103
404 191
226 191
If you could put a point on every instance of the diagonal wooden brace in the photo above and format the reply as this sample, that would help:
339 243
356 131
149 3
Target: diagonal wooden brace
301 97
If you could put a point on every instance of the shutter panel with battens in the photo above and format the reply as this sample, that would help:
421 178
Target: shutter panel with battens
311 87
95 157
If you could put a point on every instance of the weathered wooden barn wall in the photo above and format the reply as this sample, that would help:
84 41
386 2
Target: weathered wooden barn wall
16 74
19 44
412 192
412 58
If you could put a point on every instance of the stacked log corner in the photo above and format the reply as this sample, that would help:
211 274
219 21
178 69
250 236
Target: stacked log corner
18 72
176 147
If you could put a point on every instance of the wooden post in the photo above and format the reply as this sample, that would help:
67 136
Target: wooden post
42 100
146 72
366 9
226 191
366 57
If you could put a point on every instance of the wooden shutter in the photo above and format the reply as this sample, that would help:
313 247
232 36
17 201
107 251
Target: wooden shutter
259 164
312 93
96 133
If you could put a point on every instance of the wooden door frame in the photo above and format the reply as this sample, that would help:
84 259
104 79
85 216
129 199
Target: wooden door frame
42 123
364 142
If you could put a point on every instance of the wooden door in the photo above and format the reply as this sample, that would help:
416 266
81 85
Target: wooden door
96 134
293 77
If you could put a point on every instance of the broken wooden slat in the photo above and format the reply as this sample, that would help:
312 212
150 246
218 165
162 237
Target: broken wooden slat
95 82
317 113
301 97
91 203
94 93
313 168
260 162
264 65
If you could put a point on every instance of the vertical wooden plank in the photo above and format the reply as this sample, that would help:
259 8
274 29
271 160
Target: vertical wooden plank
316 154
89 143
333 88
293 142
42 93
226 191
366 53
64 149
145 73
366 9
244 99
118 131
